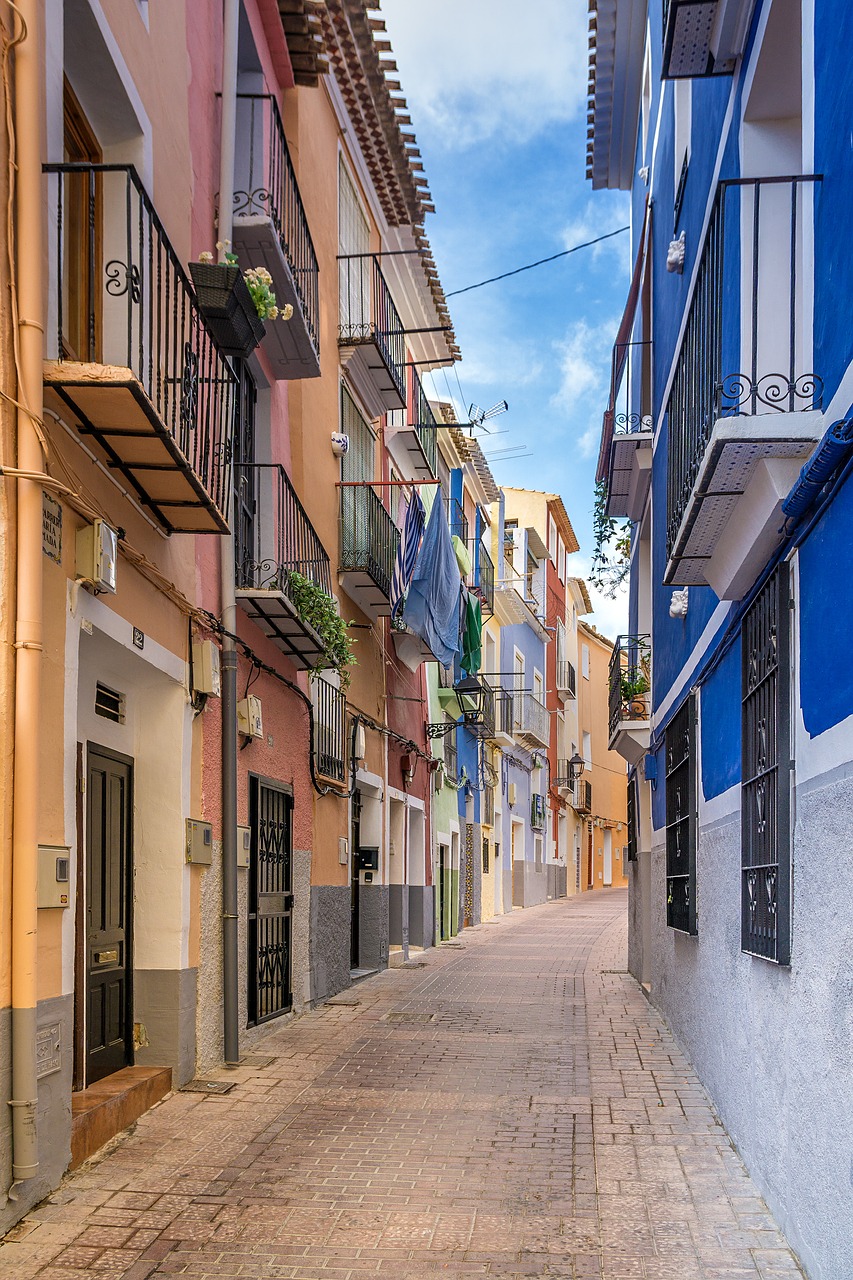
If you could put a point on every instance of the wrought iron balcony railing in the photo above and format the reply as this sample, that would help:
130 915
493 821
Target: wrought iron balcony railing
369 537
266 187
369 318
278 553
483 578
754 235
563 776
330 718
481 723
583 796
412 434
135 364
630 681
424 421
566 678
532 722
457 520
505 711
275 538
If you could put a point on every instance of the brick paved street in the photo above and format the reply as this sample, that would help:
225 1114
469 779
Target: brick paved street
510 1107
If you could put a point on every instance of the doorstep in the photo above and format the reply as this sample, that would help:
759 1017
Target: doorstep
111 1105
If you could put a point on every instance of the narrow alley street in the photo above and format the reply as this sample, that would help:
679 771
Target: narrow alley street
508 1106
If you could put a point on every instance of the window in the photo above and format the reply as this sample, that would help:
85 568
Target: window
487 866
561 561
552 540
633 843
647 100
537 852
681 819
683 111
353 245
766 756
358 461
585 661
587 749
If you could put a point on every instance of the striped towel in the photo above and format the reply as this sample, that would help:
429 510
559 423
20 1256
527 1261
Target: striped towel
407 552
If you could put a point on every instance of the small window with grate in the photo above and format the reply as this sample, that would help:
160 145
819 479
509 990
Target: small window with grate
633 843
109 703
765 783
487 866
681 819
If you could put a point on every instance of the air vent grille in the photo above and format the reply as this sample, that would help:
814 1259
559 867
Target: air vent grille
109 703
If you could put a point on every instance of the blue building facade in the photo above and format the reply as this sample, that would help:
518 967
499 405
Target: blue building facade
728 443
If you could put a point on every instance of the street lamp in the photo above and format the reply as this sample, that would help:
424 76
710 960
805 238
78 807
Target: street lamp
576 767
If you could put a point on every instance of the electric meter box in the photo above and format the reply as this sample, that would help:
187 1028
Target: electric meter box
97 553
199 842
250 721
54 876
244 846
206 668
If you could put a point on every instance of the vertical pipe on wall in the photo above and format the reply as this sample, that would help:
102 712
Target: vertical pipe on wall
231 15
28 626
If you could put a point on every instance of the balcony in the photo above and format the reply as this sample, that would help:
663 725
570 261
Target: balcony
457 520
566 680
630 467
330 720
271 231
538 810
629 719
279 558
582 800
532 723
368 548
480 723
451 763
703 37
412 435
481 580
371 337
562 779
136 372
505 716
737 440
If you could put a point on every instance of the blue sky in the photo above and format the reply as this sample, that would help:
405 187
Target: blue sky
499 107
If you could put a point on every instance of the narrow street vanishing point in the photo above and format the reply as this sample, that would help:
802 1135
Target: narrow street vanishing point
510 1105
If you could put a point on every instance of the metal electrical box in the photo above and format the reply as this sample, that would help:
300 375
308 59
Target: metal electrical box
97 553
206 668
244 846
54 877
368 859
250 721
199 842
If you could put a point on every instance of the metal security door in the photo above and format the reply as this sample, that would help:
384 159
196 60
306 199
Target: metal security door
109 810
270 900
354 879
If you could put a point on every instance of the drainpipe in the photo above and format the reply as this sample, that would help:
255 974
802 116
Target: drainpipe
28 628
227 571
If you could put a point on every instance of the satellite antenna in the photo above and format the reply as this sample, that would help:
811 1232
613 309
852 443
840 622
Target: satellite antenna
478 416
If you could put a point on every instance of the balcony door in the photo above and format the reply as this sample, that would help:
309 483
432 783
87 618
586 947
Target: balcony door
82 232
246 555
354 264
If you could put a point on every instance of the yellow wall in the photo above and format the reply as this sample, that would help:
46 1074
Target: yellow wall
609 773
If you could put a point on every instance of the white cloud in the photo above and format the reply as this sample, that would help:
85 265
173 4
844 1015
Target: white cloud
597 218
473 71
583 360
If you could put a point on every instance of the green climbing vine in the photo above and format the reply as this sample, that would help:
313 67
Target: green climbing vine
318 610
612 550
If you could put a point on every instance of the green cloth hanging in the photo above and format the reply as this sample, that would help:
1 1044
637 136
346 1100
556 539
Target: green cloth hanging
472 636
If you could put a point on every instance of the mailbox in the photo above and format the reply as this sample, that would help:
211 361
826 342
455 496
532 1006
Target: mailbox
368 859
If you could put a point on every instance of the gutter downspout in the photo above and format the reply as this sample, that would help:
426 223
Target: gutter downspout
28 628
231 1046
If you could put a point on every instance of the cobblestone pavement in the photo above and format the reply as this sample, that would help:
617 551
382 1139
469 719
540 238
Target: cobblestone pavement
510 1107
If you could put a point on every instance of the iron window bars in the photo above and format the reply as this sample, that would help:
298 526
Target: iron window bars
270 901
329 729
765 785
681 819
707 385
267 185
138 311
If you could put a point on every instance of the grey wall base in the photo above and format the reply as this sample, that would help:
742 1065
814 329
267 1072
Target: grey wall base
329 940
556 880
770 1044
164 1003
54 1113
373 919
398 916
529 886
421 915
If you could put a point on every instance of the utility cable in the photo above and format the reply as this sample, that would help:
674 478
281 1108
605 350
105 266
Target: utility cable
541 262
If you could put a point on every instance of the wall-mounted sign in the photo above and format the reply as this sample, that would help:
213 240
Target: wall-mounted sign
139 637
51 526
48 1050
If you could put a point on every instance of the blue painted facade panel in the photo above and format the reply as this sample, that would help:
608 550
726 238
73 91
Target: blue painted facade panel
720 725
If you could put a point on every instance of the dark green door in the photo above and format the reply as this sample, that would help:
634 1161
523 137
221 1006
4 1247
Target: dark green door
109 812
270 900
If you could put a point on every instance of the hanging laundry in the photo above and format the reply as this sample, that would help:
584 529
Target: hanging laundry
463 555
472 635
407 552
432 605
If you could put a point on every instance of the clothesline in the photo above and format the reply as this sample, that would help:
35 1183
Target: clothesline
385 484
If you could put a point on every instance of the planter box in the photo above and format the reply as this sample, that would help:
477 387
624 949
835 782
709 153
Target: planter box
226 304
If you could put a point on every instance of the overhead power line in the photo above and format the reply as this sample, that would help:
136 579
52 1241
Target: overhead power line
553 258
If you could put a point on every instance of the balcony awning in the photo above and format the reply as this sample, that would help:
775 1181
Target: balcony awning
620 347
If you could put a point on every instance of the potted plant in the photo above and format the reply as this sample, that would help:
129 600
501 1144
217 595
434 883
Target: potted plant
234 303
318 610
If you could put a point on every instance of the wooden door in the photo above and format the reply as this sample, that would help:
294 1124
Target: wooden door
109 814
82 203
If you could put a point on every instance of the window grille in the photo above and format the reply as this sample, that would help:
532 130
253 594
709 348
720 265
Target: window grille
486 863
633 815
109 703
765 785
681 819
